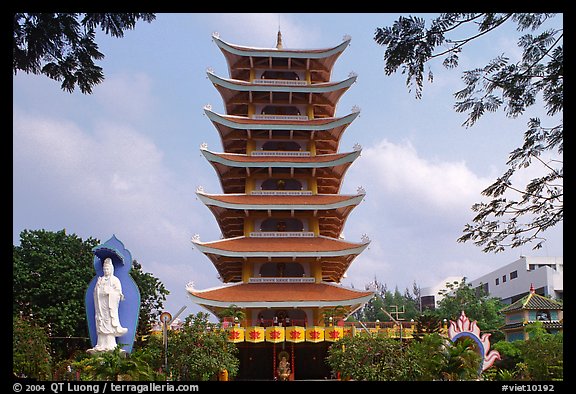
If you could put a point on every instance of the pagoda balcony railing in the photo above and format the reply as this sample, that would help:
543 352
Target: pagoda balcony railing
282 234
280 82
279 117
280 153
281 192
282 280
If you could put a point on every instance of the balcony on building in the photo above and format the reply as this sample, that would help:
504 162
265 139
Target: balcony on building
282 228
281 187
281 112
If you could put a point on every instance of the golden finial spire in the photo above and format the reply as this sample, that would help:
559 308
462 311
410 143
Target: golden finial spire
279 39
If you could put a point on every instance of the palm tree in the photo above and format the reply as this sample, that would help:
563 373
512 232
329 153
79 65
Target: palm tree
234 312
463 360
337 312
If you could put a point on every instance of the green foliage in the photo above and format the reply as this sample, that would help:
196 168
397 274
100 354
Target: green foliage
462 361
377 358
409 302
369 358
51 272
200 350
540 358
234 312
428 355
537 77
62 45
427 323
114 365
30 350
542 353
460 296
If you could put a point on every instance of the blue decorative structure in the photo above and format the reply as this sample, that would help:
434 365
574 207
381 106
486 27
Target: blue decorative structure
129 308
463 327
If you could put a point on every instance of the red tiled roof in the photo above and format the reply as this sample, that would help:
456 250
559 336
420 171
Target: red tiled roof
257 244
309 122
280 292
315 199
283 159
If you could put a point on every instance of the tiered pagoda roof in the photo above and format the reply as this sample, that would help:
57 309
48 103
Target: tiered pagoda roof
280 128
242 59
234 130
281 295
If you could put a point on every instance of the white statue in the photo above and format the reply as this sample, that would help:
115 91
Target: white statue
107 297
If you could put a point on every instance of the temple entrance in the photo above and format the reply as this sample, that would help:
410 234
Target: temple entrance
310 361
307 361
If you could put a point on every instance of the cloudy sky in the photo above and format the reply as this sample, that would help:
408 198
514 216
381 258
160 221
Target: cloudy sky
125 160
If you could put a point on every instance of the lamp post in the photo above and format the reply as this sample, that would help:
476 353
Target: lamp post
166 318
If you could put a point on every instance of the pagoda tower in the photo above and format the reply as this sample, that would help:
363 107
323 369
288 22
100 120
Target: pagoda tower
281 256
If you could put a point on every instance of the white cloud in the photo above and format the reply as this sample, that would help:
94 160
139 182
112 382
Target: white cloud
105 181
260 30
126 96
395 172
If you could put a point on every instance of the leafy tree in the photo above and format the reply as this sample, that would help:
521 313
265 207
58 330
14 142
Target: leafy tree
51 271
200 350
475 302
542 353
234 312
428 355
367 357
514 86
427 323
391 302
30 350
62 46
463 360
114 365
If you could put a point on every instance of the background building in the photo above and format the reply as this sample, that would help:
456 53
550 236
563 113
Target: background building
510 282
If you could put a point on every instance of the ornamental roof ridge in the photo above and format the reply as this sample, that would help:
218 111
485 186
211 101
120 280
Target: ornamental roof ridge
273 51
190 287
533 301
215 116
244 85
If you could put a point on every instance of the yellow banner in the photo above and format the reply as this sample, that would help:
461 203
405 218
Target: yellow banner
236 334
255 334
295 334
315 334
333 334
275 334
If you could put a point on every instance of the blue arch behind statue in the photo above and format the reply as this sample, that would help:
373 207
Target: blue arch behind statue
129 308
479 343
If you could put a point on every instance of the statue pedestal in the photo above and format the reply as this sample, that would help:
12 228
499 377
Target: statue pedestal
96 352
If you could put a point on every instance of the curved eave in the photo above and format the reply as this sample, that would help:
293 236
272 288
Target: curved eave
293 295
282 53
245 161
236 85
244 123
310 202
281 247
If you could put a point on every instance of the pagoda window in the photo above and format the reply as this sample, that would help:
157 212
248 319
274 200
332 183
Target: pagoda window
280 110
281 317
286 75
281 225
543 315
281 184
281 146
281 270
